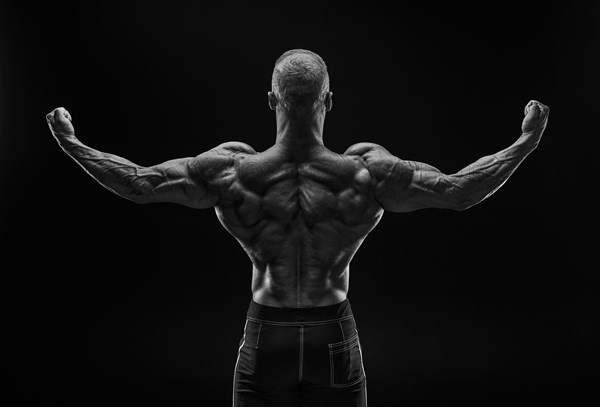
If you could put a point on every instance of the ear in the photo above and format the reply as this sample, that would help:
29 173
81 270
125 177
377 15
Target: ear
272 100
328 102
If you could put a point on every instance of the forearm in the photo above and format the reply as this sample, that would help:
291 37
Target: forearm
115 173
481 179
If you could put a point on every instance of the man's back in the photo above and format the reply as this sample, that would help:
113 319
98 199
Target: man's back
300 210
300 216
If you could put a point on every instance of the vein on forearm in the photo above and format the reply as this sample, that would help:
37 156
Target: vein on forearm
115 173
485 176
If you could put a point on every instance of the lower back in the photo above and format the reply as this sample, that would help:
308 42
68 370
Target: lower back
281 287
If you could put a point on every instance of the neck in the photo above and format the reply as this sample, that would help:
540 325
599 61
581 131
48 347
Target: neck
295 130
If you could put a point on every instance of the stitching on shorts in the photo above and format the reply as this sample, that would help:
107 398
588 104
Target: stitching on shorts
362 377
362 365
299 323
342 329
301 356
334 347
237 361
258 336
331 370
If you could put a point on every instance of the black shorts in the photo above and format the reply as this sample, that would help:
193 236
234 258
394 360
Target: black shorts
300 357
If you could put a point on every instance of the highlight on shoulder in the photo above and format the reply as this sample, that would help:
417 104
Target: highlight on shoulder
236 146
363 148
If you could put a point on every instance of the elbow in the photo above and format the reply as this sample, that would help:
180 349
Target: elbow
130 195
459 207
461 198
462 207
141 200
137 198
140 194
461 203
456 197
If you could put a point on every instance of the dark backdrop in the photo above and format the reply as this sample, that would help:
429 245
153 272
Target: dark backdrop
109 303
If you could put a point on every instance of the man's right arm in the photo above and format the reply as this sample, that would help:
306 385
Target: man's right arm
403 186
191 181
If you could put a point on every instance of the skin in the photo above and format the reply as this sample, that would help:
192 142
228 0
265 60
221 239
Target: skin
299 210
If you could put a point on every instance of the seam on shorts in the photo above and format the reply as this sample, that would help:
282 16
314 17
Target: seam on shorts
342 329
343 344
258 336
362 365
301 357
300 323
331 369
361 378
237 361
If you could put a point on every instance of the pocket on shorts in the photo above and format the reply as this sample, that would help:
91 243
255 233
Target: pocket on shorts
345 363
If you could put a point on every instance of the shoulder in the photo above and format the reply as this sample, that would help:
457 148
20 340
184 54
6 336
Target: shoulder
235 147
366 149
377 159
221 158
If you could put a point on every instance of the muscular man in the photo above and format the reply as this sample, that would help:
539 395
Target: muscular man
301 211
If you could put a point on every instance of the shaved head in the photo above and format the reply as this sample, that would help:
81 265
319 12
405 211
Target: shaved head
300 80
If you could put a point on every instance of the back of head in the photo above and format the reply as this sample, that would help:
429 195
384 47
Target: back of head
300 80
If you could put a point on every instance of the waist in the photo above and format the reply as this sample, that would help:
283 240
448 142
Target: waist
322 314
286 288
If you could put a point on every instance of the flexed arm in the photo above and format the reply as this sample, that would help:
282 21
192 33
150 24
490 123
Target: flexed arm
177 181
402 186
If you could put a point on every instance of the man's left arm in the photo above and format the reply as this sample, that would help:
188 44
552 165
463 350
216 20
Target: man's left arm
403 186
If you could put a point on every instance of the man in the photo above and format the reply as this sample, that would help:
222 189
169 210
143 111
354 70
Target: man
301 211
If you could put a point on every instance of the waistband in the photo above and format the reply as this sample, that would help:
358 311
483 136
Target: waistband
324 314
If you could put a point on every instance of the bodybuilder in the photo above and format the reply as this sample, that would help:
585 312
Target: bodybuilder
300 211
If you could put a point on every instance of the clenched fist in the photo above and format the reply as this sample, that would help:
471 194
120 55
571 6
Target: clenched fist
59 121
536 117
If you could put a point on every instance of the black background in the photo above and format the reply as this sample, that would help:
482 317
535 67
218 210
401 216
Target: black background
110 303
